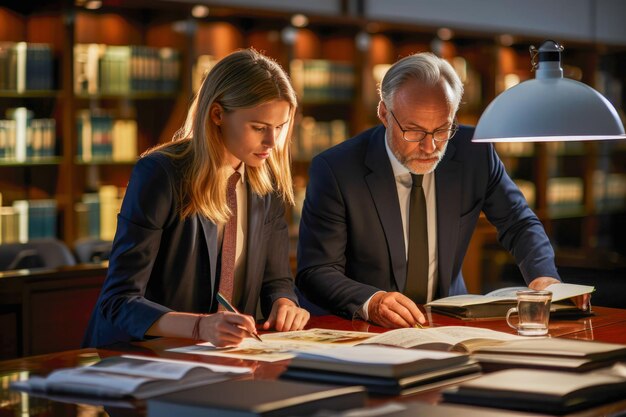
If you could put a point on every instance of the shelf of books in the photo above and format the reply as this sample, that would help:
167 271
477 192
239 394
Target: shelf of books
82 97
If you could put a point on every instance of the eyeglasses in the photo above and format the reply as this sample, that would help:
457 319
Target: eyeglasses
439 135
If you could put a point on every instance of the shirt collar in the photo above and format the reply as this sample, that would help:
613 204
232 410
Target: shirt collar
241 170
399 170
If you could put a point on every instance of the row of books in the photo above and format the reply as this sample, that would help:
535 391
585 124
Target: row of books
28 219
101 136
97 212
204 64
609 191
26 67
521 149
107 69
322 80
565 193
313 136
23 137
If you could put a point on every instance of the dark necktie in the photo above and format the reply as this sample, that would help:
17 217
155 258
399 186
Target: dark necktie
417 260
229 241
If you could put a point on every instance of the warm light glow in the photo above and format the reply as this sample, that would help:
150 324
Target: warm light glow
460 67
199 11
510 80
299 20
506 39
379 71
445 34
93 4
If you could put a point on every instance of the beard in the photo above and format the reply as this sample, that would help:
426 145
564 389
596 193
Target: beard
419 162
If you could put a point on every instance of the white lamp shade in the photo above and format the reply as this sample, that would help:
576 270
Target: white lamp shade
549 108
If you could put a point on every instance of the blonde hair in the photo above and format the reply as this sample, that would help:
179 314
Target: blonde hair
243 79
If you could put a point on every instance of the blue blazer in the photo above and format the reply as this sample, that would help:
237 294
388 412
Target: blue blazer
351 242
160 263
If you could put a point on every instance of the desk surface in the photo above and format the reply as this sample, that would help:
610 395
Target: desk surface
608 325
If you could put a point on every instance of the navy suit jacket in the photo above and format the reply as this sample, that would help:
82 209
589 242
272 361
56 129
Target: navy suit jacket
351 240
160 263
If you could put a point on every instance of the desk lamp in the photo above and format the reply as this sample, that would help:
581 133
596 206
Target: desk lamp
549 108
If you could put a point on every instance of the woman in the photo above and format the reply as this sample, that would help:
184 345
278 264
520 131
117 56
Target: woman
175 247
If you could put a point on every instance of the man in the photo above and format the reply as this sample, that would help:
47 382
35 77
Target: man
355 257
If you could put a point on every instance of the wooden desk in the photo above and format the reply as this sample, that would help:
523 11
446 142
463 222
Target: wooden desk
46 310
607 325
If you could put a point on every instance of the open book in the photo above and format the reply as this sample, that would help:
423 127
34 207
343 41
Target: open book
128 377
497 350
496 303
494 349
283 345
463 339
539 391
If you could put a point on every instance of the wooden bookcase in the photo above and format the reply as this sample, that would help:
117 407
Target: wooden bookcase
366 46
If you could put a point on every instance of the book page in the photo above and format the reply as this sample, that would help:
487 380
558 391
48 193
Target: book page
470 299
87 381
510 292
280 346
540 382
321 336
564 291
140 368
212 366
378 355
450 335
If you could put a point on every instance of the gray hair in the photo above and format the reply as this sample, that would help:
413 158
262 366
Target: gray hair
425 67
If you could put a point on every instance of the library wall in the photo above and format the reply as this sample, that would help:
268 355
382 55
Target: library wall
84 92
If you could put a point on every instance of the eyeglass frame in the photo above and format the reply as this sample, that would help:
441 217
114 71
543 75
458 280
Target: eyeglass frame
452 129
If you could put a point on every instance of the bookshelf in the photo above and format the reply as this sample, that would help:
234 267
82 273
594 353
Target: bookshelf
334 63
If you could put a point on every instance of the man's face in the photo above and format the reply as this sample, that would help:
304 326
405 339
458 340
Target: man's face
418 107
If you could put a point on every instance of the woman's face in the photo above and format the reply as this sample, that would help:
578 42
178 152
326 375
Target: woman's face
251 134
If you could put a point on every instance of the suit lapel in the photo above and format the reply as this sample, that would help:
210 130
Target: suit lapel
448 186
210 235
382 187
256 219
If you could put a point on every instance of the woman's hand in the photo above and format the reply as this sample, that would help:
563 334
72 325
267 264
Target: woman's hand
225 328
286 316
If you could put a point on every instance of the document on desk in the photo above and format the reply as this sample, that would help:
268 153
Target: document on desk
280 345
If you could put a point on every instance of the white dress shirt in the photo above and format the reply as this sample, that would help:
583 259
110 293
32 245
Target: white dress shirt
403 185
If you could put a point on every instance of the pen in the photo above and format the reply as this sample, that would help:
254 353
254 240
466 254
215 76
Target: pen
228 306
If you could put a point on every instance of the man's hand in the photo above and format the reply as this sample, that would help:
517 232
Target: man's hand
581 301
393 309
286 316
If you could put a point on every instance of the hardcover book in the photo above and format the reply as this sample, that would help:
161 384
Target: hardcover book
379 361
496 303
407 385
539 391
256 398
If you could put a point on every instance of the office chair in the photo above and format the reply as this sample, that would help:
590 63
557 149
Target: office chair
92 250
36 253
